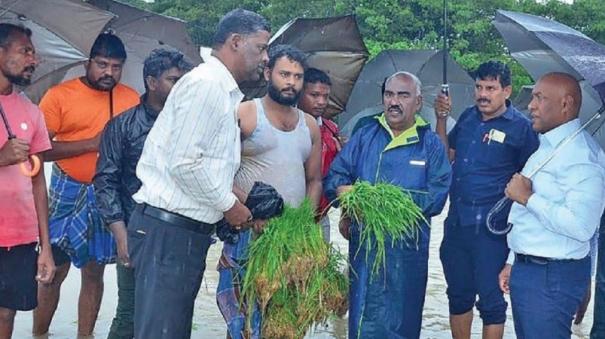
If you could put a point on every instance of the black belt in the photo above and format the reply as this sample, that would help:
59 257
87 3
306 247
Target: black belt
177 219
533 259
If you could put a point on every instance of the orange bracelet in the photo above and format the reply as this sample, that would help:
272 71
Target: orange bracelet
35 160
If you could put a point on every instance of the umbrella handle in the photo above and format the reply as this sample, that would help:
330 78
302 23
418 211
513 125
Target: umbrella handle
35 169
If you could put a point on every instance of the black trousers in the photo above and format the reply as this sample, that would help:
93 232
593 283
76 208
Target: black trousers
169 261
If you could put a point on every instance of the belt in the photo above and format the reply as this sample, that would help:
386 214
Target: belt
177 220
532 259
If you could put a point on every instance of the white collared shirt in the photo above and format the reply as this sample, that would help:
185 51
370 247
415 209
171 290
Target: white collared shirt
192 152
565 209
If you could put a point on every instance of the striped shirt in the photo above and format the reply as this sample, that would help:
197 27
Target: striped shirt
193 150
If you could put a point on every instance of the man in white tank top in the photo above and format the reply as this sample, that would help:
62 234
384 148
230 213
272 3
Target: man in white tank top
281 147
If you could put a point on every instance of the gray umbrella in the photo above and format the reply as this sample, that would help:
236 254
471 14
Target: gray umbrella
541 45
426 64
333 45
140 30
63 32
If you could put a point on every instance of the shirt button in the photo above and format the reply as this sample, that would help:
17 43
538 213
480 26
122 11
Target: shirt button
473 142
465 160
458 179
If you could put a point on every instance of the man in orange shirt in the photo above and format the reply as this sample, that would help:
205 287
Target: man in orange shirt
76 112
25 254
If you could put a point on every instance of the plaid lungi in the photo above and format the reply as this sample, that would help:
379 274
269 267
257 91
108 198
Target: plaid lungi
75 224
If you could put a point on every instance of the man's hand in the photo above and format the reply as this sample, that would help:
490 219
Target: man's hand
343 189
46 266
14 151
519 189
118 229
344 227
504 278
258 226
238 214
583 306
442 106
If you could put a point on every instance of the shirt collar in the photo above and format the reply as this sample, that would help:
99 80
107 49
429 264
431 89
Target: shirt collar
407 137
229 81
508 114
557 134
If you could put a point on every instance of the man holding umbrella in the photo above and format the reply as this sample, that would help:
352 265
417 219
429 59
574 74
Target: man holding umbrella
490 142
76 112
555 214
25 252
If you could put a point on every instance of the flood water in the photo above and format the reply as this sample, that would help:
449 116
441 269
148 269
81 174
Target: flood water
208 323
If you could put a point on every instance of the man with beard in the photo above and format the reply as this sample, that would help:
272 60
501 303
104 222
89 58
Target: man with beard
115 181
399 148
282 148
314 100
187 167
490 142
23 200
76 112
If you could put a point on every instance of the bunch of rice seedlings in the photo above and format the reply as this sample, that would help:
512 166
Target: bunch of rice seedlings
294 275
384 211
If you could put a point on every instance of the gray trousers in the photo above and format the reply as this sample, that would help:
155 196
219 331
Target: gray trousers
169 264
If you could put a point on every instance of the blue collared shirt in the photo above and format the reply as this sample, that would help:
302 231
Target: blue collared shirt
482 165
563 213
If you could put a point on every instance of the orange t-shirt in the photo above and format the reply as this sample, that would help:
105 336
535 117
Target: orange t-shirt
74 112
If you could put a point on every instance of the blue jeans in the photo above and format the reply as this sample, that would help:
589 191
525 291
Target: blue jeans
598 325
545 297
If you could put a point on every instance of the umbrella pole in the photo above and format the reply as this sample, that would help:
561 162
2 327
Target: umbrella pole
505 201
6 124
445 88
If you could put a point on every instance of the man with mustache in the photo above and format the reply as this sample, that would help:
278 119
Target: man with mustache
398 147
76 112
25 252
555 214
282 148
490 142
187 167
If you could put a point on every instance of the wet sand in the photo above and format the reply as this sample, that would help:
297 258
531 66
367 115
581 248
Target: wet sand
208 323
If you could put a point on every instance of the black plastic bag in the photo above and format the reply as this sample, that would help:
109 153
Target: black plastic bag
264 202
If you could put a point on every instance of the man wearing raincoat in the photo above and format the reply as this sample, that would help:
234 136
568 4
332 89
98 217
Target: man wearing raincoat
399 148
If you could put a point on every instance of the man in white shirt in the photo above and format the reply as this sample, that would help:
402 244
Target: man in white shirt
187 168
554 215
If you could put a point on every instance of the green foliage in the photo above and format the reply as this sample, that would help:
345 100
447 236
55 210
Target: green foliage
401 24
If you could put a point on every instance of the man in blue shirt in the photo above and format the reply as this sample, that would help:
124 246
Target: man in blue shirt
555 214
489 143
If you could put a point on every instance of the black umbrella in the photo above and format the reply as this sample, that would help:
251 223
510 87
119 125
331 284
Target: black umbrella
426 65
333 45
541 46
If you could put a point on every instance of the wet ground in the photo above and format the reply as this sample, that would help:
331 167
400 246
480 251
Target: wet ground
208 323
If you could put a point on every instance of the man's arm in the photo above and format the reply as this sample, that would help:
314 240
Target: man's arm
198 147
439 177
313 163
68 149
46 264
578 215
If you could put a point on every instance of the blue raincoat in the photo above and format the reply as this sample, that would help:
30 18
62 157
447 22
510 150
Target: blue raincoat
389 304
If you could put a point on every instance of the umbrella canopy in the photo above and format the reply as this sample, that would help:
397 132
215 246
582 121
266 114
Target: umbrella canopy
140 30
333 45
426 65
63 33
541 45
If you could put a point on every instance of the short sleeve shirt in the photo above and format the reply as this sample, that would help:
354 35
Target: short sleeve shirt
74 112
488 153
18 218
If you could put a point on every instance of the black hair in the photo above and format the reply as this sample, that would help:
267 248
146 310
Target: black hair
289 51
314 76
493 70
161 60
8 29
108 45
239 21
